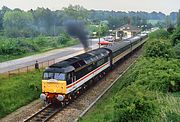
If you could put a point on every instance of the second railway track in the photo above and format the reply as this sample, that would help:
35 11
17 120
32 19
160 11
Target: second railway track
44 114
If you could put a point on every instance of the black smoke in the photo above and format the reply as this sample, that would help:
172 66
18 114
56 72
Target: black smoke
76 29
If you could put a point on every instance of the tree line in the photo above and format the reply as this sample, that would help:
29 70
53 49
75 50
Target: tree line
43 21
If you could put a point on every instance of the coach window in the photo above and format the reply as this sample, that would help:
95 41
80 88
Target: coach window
100 62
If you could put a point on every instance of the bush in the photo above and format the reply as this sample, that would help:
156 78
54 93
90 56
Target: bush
135 105
160 34
176 50
158 48
175 39
64 38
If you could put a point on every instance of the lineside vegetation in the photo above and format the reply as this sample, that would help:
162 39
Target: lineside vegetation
19 90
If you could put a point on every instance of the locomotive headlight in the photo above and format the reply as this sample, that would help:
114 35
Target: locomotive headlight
43 96
60 97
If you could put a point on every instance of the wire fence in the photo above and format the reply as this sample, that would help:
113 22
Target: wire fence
42 65
29 68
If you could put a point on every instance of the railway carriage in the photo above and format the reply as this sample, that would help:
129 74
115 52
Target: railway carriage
64 80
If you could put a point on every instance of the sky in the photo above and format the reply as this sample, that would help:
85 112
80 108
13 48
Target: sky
165 6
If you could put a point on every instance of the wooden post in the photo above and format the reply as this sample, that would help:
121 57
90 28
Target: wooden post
9 74
42 64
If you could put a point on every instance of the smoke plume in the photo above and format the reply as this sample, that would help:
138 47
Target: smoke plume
76 29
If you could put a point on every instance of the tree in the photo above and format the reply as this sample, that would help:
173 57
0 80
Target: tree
18 24
104 27
168 22
176 36
76 12
43 20
2 12
178 18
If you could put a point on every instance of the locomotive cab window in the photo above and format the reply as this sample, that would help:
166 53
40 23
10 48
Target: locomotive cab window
48 75
57 76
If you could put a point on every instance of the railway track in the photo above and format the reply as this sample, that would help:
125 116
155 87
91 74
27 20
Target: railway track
44 114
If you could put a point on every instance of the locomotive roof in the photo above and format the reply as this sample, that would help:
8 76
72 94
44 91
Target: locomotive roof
62 69
117 46
93 55
78 61
135 38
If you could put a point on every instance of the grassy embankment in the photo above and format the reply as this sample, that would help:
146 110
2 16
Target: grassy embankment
149 91
13 48
18 91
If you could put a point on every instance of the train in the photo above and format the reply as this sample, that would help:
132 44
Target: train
65 80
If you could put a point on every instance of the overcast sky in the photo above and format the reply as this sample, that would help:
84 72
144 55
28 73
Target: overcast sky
165 6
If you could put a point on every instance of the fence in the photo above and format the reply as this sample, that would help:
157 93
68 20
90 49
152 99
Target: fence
29 68
44 64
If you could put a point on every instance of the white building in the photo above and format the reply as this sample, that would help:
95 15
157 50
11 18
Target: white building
126 31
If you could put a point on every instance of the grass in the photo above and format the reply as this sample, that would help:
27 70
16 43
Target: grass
18 91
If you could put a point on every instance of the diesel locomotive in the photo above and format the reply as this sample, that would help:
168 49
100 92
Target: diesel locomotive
63 81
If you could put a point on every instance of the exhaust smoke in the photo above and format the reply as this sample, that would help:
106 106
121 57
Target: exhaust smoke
76 29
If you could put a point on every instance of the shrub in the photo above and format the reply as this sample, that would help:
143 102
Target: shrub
64 38
135 105
160 34
158 48
176 50
158 74
175 39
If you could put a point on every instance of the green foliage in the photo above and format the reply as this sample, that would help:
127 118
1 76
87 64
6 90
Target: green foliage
178 18
76 12
176 36
64 38
158 48
18 91
160 34
11 48
103 29
158 74
177 50
135 105
18 24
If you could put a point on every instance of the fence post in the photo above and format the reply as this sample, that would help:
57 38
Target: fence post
9 74
27 69
18 71
48 62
